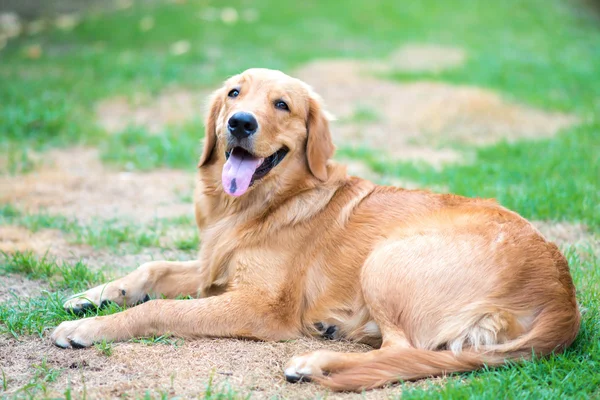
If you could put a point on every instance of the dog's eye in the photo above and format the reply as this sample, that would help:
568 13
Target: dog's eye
282 105
233 93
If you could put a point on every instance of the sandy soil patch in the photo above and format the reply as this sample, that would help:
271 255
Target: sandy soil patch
412 121
169 108
426 58
362 170
74 183
12 286
16 238
135 368
566 234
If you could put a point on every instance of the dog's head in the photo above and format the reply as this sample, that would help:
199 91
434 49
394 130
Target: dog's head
263 125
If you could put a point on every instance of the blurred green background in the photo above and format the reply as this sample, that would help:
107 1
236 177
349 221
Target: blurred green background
544 53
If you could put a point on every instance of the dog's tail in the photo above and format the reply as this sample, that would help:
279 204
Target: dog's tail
394 364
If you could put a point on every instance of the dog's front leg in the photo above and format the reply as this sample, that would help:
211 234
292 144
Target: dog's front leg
152 279
234 314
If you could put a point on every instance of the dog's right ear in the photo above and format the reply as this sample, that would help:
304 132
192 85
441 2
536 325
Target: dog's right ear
319 146
210 127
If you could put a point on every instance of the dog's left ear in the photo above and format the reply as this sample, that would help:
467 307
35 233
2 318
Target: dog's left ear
319 146
210 127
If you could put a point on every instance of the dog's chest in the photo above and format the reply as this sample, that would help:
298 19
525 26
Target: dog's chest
261 268
246 260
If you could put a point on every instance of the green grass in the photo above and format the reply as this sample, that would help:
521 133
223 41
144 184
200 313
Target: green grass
59 276
555 179
544 53
163 339
546 56
104 347
174 147
187 243
43 375
4 380
116 234
36 315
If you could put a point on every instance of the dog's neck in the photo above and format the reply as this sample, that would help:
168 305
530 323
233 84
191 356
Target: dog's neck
304 198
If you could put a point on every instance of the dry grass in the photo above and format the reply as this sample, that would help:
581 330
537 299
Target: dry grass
568 234
363 170
74 183
182 370
425 58
412 121
12 286
169 108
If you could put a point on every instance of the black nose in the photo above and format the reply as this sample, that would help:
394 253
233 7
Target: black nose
242 125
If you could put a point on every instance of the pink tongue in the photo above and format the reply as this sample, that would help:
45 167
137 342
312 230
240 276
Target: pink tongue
238 171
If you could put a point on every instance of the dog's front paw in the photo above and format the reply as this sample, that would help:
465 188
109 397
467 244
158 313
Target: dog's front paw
93 298
78 334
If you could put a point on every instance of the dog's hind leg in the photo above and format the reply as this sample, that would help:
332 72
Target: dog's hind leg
168 279
318 364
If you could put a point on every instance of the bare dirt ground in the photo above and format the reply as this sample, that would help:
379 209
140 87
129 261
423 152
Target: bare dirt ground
13 286
170 108
184 370
74 183
566 234
414 121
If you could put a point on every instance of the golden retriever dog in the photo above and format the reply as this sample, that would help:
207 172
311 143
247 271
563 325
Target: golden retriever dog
293 246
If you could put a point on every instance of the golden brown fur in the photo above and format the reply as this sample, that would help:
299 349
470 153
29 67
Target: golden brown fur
440 283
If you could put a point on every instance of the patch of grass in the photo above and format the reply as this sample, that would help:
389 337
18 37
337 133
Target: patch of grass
104 347
187 243
59 276
98 234
185 196
45 372
11 215
222 392
183 220
35 315
4 380
18 159
43 375
364 114
114 233
174 147
555 179
163 339
32 315
36 115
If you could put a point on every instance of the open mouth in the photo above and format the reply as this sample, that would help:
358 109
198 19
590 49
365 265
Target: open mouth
242 169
